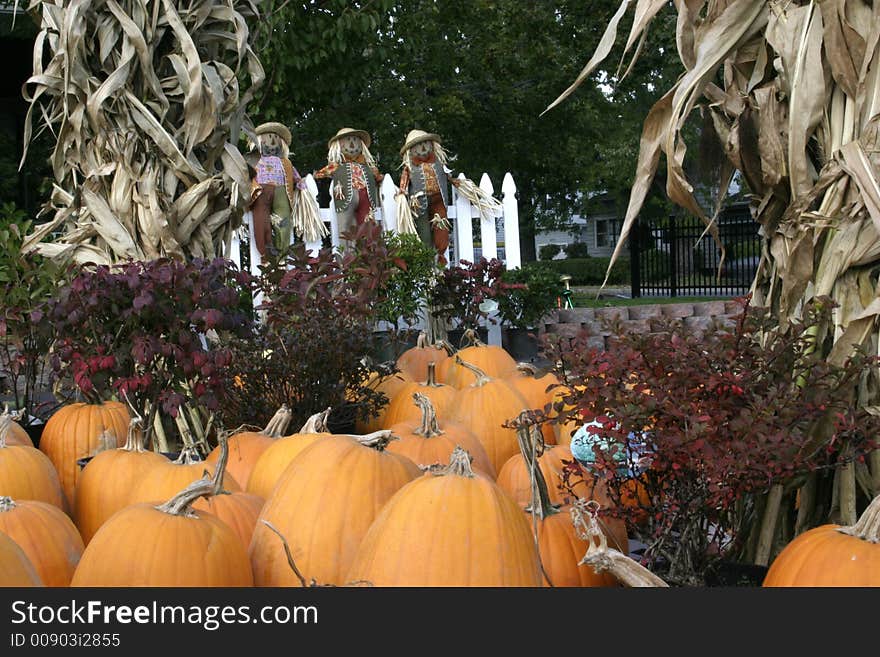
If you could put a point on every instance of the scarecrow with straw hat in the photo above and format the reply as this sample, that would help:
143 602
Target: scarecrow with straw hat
424 192
280 201
355 177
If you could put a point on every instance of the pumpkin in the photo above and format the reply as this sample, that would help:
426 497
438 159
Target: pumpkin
74 432
559 545
425 443
491 359
538 391
166 479
106 481
15 435
832 555
401 409
515 478
247 446
387 384
414 361
239 510
274 461
167 545
484 407
26 473
47 536
323 506
450 527
15 568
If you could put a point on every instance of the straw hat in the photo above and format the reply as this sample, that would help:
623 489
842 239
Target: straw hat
277 128
416 136
344 132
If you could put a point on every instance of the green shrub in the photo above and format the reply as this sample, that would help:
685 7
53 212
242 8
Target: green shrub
524 307
590 271
577 250
549 251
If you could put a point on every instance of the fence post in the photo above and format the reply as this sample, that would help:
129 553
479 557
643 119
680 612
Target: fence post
312 188
673 257
635 265
512 257
464 227
256 258
389 205
488 228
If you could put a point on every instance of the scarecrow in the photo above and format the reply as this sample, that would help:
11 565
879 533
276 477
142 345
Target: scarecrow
355 178
280 201
424 192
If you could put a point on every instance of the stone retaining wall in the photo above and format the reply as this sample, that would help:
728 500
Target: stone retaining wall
600 323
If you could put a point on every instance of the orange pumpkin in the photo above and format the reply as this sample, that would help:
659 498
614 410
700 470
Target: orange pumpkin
15 434
74 432
494 361
832 555
425 443
388 385
401 409
323 505
515 477
538 392
484 407
274 461
166 479
46 535
15 568
450 527
414 361
26 473
106 481
167 545
239 510
246 447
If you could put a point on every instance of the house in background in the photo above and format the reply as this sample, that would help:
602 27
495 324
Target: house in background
599 230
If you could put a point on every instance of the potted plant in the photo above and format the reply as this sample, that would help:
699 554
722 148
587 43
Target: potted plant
467 295
521 308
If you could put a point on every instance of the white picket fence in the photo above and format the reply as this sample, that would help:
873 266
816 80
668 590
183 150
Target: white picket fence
460 213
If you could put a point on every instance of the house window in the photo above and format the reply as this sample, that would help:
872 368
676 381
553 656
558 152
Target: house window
605 236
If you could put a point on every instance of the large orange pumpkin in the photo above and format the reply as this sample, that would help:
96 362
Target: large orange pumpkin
15 568
239 510
166 479
106 481
323 505
388 385
450 527
401 408
414 361
832 555
15 434
26 473
167 545
484 407
75 432
247 446
538 391
515 477
274 461
426 443
47 536
491 359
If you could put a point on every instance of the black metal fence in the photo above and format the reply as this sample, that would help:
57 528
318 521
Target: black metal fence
679 258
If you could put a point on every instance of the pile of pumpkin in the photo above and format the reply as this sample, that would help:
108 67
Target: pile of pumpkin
441 489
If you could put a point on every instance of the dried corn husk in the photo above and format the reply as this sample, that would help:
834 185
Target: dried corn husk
143 97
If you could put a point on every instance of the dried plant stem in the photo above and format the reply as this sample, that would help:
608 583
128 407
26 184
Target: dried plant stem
847 495
874 460
807 505
768 525
290 561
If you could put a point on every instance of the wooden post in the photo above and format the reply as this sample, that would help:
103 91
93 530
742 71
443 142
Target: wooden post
513 257
488 229
464 235
768 525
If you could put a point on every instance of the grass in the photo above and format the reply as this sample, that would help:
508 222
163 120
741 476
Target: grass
585 300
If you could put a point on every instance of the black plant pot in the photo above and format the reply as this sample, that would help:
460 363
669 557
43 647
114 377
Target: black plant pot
35 431
388 346
520 343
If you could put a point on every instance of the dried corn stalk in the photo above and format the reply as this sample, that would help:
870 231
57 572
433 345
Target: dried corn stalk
143 99
793 92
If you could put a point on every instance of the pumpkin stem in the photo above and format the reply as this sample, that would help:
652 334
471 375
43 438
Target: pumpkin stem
482 377
600 557
528 369
6 504
277 426
422 340
429 427
531 445
180 504
446 345
431 381
473 340
188 456
317 423
459 464
867 527
290 561
378 440
134 440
